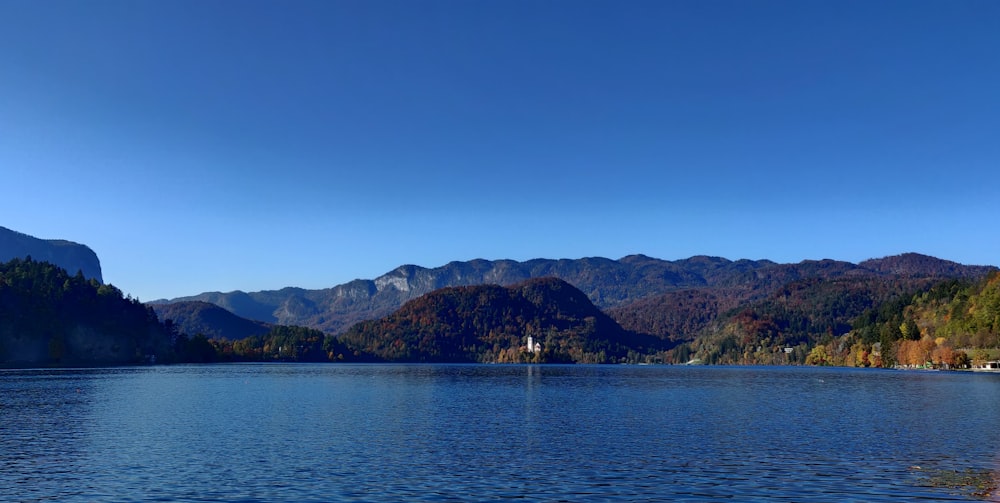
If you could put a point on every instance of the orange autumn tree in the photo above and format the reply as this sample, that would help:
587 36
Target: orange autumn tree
936 351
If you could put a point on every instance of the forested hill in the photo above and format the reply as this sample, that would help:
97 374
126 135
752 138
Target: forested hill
214 322
490 323
48 317
609 284
799 315
682 314
52 319
66 254
949 323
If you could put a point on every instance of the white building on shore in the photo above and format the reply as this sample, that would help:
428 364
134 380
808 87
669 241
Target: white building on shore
534 347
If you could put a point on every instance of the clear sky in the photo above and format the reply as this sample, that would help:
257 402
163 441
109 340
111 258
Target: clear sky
201 145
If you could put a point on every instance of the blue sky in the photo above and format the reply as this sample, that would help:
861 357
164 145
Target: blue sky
222 145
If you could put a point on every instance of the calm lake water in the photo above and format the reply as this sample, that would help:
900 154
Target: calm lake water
302 432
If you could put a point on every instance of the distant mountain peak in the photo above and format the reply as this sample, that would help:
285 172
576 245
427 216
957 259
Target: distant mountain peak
919 264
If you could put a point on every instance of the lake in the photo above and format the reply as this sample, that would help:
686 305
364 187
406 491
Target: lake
334 432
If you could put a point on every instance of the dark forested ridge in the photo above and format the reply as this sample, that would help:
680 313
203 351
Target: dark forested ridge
916 265
49 317
66 254
490 323
209 320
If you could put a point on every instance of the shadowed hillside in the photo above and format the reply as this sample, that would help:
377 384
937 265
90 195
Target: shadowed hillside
209 320
48 317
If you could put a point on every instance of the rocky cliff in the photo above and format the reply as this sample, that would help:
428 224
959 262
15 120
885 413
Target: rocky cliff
68 255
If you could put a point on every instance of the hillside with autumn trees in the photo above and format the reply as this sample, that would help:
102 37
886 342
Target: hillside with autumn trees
491 324
869 321
784 326
951 324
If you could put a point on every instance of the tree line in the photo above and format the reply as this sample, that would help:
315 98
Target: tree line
50 317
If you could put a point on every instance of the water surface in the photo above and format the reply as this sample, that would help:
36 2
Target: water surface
329 432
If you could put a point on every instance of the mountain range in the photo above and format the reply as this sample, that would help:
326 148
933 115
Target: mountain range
645 294
907 309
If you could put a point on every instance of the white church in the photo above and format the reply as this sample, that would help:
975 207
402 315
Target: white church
534 347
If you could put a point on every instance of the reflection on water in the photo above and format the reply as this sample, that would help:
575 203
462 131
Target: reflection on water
299 432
